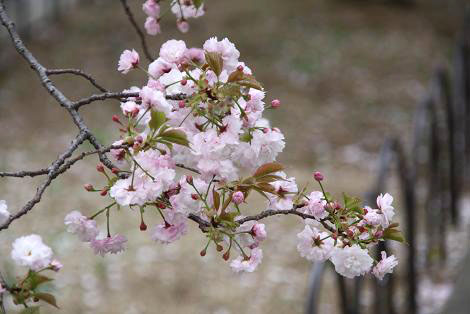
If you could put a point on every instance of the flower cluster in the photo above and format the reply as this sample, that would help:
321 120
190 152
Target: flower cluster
30 251
182 9
194 146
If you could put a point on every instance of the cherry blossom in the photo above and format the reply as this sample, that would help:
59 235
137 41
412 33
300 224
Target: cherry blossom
129 59
351 261
31 252
384 266
110 244
241 264
4 213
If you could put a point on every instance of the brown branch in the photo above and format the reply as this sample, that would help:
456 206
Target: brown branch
293 211
79 73
84 133
25 173
120 96
52 174
141 34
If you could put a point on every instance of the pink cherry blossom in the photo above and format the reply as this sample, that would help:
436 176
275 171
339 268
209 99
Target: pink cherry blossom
238 197
114 244
80 225
173 51
151 8
314 245
247 265
128 60
56 265
351 261
171 230
152 26
384 202
385 266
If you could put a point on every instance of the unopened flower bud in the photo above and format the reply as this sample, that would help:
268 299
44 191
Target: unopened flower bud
116 119
104 192
226 255
183 26
240 68
143 226
184 82
161 206
89 187
238 197
203 252
276 103
318 176
181 104
195 197
100 168
189 179
56 265
115 170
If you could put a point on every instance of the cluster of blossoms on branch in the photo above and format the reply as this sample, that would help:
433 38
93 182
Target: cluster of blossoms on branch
194 146
182 9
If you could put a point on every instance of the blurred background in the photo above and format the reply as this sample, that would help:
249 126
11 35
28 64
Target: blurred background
350 74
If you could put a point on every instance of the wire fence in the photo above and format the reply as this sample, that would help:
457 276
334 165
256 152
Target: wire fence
432 180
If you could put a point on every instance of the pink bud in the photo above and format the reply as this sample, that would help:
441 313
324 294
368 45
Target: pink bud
116 119
115 170
195 197
189 179
238 197
181 104
99 168
56 265
318 176
104 192
89 187
276 103
143 226
183 26
184 82
240 68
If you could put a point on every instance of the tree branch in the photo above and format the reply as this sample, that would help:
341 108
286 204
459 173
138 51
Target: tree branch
141 34
25 173
79 73
52 174
116 95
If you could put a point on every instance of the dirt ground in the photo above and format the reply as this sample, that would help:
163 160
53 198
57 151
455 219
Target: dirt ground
349 74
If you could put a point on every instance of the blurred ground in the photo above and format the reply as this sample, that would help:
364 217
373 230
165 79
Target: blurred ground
348 73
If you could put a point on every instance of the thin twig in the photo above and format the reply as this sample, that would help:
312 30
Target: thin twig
141 34
79 73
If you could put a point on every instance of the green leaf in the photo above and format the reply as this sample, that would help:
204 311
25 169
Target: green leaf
34 280
31 310
157 119
250 81
246 137
394 234
235 76
46 297
260 192
268 169
352 203
215 62
266 187
176 137
216 198
198 3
